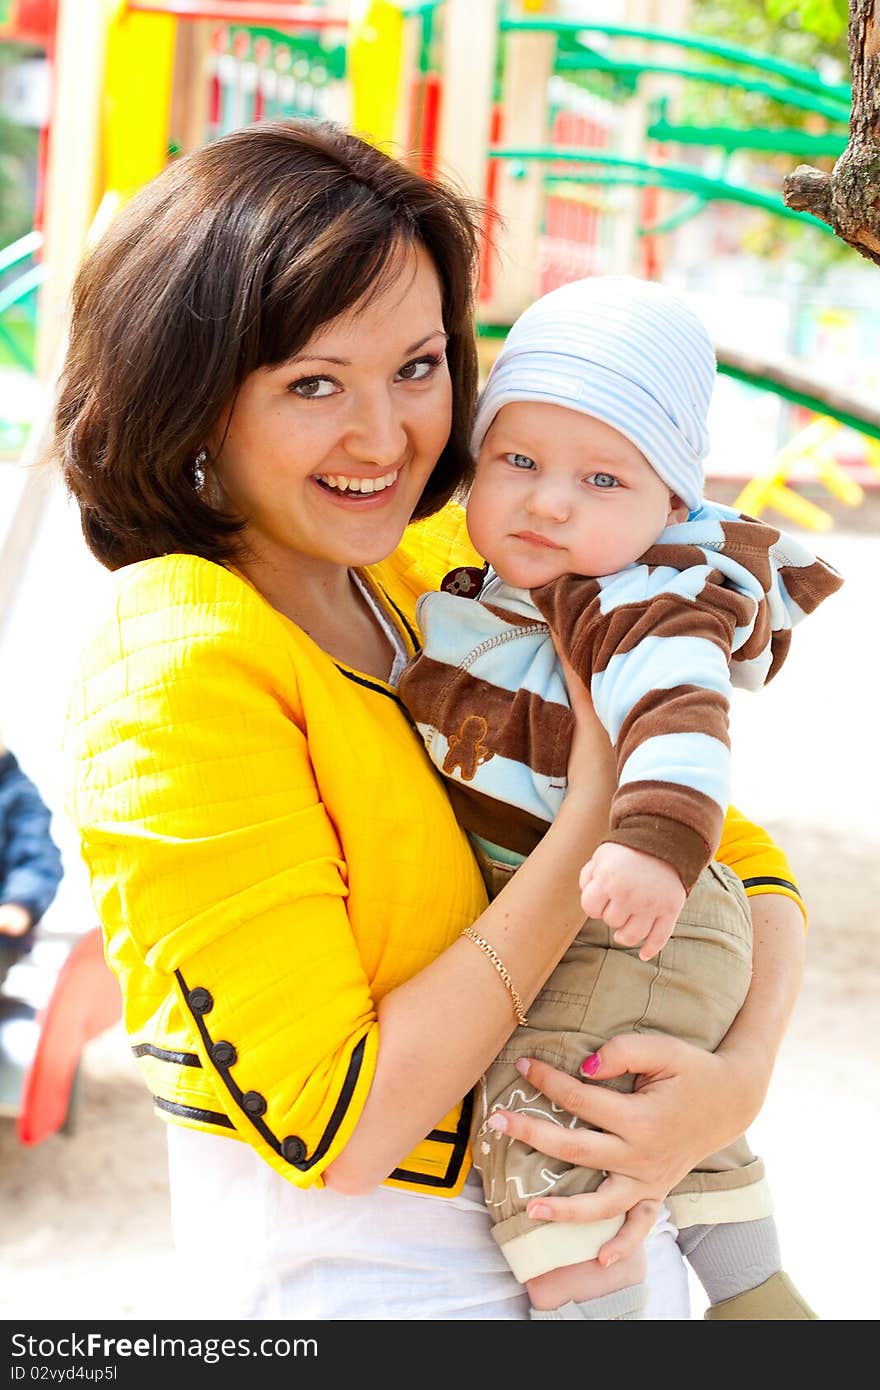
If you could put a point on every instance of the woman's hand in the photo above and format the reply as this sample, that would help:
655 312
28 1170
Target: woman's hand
591 764
687 1103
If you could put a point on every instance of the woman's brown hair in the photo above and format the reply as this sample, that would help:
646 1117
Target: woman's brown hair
226 262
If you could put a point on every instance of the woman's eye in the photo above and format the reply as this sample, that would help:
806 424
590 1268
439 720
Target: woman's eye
604 480
421 368
520 460
312 388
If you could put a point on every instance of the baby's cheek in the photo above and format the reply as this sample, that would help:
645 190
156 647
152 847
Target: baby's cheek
484 523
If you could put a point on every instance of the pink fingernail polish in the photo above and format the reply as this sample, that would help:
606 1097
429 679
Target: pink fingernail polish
590 1065
522 1065
497 1121
538 1211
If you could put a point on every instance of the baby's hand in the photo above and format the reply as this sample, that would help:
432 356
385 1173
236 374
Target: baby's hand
639 897
14 919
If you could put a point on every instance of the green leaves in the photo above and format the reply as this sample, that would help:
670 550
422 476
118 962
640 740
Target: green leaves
827 19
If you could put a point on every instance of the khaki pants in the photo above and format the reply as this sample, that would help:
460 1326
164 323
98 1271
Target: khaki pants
693 989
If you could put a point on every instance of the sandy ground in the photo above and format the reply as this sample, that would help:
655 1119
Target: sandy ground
85 1224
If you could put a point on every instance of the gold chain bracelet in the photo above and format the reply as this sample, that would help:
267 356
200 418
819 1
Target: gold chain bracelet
499 965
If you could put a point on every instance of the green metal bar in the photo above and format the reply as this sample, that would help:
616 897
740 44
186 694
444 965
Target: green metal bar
574 190
761 383
22 287
20 250
692 208
563 187
670 175
732 53
426 41
15 350
781 141
804 398
832 109
334 58
411 8
16 293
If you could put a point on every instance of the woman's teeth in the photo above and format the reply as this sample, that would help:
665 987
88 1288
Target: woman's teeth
338 483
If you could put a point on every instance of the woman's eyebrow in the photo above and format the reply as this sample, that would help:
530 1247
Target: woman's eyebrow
345 362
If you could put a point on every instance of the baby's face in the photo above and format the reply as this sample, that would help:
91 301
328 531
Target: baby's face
557 492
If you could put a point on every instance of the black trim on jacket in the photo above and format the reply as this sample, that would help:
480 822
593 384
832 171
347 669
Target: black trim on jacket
370 685
770 882
180 1059
457 1140
222 1074
413 637
191 1112
456 1158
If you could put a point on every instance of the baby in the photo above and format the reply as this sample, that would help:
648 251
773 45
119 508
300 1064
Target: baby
587 504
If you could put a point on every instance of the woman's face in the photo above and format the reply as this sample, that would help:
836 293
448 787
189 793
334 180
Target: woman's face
327 455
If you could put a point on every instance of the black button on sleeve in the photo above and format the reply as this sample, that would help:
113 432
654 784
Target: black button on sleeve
293 1150
224 1054
254 1103
200 1001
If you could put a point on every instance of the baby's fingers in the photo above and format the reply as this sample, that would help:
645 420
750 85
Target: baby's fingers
657 937
594 900
633 930
636 1228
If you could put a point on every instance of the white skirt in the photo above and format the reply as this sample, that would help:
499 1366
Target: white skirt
261 1248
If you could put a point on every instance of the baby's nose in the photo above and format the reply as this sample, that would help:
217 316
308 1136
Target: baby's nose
550 500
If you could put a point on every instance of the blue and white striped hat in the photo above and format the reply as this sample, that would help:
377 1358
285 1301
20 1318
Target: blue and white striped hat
624 350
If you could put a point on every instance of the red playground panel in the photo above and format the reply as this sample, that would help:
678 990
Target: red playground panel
53 1003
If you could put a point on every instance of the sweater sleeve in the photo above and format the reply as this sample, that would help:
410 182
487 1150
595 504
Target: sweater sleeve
210 852
30 869
657 666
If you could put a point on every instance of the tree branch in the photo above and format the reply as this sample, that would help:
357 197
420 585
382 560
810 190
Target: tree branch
849 198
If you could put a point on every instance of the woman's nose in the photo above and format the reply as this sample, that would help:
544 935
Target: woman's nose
378 434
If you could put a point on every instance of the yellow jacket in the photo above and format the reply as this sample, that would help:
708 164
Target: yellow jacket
270 853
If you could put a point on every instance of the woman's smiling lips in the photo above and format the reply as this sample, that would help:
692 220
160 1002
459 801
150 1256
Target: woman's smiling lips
532 538
345 488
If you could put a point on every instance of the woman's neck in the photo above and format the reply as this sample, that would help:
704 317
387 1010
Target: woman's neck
323 600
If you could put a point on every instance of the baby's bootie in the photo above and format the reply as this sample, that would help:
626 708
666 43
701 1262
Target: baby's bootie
776 1300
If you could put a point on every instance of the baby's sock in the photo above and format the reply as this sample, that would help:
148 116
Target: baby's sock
621 1306
731 1257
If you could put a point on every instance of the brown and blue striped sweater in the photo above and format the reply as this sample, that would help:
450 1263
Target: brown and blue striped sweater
659 644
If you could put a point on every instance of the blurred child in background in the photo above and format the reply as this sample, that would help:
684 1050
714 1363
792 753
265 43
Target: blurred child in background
30 862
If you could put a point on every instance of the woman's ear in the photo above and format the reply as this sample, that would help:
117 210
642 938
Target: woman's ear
678 510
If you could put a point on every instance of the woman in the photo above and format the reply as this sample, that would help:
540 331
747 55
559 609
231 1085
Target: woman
271 373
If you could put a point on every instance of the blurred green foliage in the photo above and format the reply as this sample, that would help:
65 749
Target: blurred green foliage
18 157
826 18
811 33
751 24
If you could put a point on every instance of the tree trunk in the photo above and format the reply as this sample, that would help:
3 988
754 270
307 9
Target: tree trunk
849 199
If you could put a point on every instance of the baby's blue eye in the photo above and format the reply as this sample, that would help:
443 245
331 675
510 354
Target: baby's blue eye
603 480
520 460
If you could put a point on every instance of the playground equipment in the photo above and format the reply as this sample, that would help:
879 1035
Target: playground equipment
812 450
52 1003
19 292
566 127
